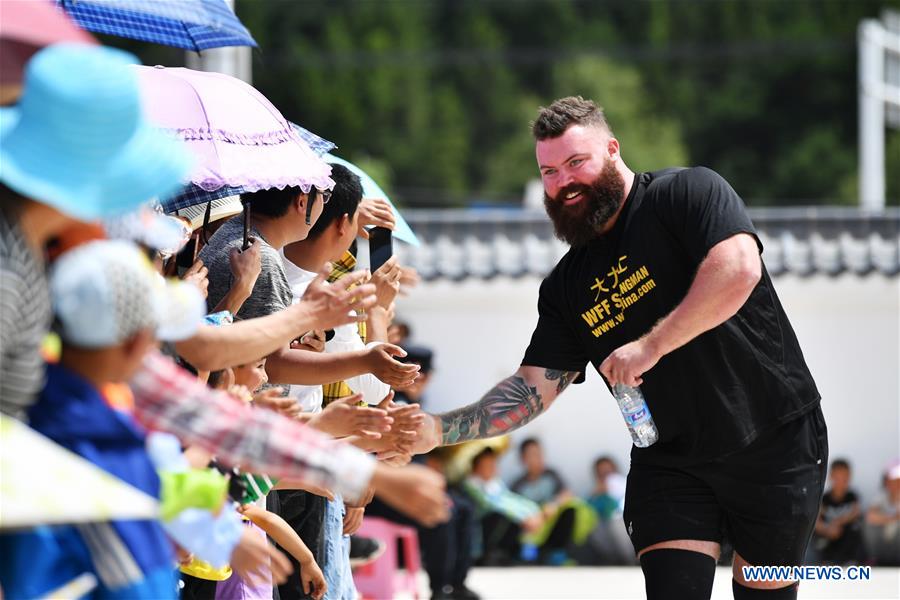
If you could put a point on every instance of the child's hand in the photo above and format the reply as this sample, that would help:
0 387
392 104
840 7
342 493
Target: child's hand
273 400
241 393
343 417
396 445
312 578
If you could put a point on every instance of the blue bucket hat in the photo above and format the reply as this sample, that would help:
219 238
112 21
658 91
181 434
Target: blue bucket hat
78 139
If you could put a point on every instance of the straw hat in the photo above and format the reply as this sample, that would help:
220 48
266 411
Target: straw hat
223 208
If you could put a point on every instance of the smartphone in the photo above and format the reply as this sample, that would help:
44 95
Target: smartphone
188 254
381 247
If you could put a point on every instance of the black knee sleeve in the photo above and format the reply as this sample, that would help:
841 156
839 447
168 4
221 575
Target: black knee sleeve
672 573
742 592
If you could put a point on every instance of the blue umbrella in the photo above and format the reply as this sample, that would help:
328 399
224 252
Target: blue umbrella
190 24
402 230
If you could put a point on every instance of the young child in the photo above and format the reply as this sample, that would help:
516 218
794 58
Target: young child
242 381
838 533
111 307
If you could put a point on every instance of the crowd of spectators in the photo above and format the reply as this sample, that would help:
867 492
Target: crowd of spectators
263 391
249 393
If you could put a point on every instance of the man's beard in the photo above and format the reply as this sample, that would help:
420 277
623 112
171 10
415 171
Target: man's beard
580 223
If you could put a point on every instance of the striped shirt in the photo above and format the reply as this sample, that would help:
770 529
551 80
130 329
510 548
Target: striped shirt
168 398
25 318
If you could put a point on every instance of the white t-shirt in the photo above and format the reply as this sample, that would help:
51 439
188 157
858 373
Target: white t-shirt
346 339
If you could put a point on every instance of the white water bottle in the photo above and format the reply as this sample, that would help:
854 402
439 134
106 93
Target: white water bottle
637 415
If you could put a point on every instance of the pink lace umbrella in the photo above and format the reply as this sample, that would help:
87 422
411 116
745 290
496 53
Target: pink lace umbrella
235 134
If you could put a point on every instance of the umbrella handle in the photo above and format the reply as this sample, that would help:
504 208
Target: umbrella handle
246 243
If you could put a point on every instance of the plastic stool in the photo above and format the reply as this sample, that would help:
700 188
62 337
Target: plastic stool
381 579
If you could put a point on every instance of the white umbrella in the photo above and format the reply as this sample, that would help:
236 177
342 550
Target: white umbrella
43 483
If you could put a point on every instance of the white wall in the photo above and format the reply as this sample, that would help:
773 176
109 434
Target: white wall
848 327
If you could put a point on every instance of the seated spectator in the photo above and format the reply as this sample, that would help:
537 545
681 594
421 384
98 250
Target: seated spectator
539 483
446 548
399 333
883 519
512 525
608 496
546 487
608 543
838 536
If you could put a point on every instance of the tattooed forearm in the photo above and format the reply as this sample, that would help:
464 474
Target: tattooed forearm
564 378
510 405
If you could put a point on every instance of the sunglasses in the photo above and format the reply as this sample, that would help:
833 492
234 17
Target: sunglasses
311 198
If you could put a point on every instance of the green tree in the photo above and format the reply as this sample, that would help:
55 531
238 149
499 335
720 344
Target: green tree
438 94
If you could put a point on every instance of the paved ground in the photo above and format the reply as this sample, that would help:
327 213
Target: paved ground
522 583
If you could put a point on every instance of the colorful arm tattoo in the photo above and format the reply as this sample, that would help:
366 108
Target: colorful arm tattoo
564 378
509 405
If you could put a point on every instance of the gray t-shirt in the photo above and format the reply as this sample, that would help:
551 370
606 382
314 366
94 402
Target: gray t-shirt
271 294
24 320
541 490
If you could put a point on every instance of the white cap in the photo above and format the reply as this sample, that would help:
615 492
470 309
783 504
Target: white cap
105 291
150 227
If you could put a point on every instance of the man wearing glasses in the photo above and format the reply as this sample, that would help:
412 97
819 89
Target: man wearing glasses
278 217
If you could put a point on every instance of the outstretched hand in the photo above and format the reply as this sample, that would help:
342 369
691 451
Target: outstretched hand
344 417
395 446
414 490
273 400
338 303
380 362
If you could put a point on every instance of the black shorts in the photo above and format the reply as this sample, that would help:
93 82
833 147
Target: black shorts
763 498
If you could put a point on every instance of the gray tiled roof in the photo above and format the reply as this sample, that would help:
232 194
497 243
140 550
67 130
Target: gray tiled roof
458 244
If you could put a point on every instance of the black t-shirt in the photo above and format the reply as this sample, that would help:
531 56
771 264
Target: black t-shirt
718 392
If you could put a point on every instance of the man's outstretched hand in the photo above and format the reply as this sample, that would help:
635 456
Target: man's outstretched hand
428 435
